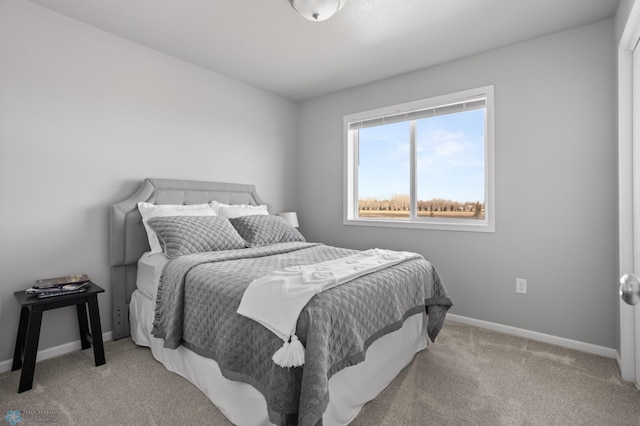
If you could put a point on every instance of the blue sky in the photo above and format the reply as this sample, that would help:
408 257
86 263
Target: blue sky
450 151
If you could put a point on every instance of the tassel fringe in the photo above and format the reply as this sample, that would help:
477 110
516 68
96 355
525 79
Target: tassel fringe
291 354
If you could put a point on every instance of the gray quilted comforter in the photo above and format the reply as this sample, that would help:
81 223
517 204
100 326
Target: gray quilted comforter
199 293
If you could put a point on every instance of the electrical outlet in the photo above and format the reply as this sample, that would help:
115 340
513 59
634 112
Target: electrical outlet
521 285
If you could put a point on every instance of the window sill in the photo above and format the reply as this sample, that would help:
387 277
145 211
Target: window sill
443 225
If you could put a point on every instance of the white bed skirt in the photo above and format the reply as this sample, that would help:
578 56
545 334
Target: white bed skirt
243 405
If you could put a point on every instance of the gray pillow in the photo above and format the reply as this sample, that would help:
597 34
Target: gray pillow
180 235
260 230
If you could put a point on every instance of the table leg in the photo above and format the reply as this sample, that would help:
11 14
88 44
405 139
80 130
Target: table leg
31 349
20 339
83 324
96 330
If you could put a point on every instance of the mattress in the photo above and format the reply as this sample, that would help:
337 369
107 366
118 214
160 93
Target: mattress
243 405
149 270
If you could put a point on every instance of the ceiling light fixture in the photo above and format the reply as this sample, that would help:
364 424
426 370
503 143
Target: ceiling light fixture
317 10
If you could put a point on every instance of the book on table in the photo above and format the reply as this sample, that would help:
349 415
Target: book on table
60 286
61 281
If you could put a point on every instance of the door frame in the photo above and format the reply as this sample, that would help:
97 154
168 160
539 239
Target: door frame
629 236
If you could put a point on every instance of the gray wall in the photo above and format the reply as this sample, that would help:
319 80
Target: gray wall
556 184
84 117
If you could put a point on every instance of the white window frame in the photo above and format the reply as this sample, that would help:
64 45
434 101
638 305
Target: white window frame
350 184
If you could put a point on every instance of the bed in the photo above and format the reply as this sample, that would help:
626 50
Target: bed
355 337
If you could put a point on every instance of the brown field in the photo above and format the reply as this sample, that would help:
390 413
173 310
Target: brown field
404 214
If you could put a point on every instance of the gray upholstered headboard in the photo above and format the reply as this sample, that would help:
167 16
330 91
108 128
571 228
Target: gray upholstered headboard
128 239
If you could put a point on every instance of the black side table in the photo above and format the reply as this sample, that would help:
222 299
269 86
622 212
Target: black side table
31 319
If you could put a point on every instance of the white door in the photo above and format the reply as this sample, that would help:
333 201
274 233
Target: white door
629 190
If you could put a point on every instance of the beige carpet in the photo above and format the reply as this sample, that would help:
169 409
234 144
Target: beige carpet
470 376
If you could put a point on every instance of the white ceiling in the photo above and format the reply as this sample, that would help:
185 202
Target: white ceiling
266 44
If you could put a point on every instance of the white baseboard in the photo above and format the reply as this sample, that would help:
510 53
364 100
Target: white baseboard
540 337
55 351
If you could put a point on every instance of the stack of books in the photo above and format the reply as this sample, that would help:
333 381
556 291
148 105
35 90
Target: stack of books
61 286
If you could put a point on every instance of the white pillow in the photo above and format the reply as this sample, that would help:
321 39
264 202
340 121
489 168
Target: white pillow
148 210
237 210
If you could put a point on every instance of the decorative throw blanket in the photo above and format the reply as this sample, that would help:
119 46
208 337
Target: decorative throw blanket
277 299
199 294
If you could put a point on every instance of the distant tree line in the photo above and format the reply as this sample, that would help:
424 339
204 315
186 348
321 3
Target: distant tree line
402 203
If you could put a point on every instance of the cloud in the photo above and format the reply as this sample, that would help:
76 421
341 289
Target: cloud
442 148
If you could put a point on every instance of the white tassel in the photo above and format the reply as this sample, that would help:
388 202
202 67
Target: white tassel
291 354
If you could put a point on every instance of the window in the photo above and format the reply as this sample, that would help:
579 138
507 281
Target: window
424 164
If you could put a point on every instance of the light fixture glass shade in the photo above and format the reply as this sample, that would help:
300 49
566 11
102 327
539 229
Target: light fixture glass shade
317 10
291 218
